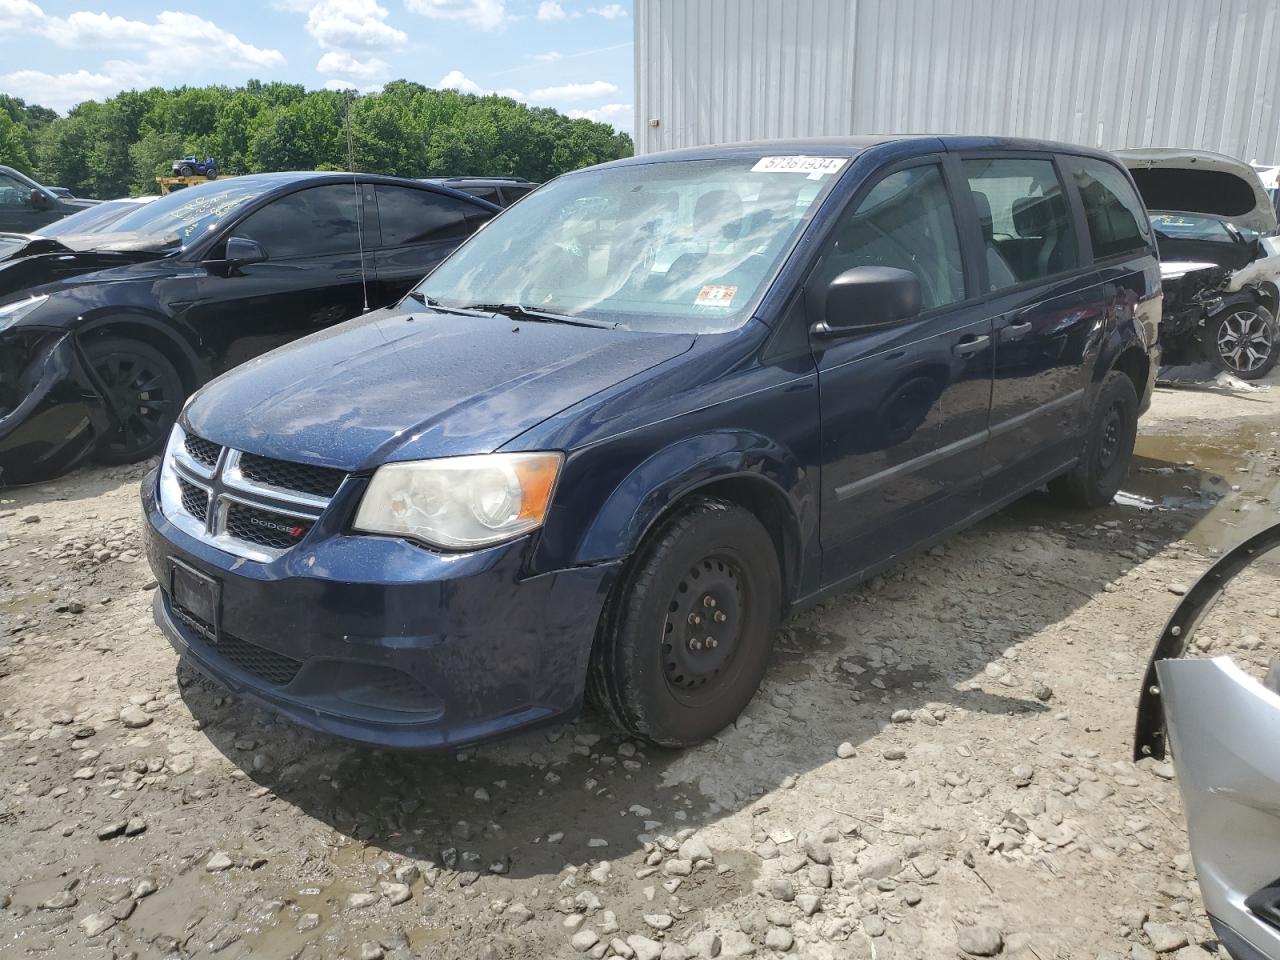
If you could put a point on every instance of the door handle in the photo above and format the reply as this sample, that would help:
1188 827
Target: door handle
1015 331
970 344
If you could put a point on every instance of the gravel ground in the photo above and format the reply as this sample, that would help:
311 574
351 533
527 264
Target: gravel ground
936 766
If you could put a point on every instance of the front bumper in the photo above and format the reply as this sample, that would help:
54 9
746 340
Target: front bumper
381 642
50 411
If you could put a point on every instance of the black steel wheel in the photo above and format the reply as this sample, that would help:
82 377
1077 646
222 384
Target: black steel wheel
1243 341
1107 449
687 634
186 170
211 173
144 395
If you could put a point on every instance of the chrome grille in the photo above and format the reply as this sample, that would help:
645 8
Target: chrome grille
246 504
318 481
195 500
202 451
264 527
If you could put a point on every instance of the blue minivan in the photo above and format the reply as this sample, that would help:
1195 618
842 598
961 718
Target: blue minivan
642 415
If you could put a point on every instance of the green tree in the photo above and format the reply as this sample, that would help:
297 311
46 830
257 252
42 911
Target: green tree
13 145
122 144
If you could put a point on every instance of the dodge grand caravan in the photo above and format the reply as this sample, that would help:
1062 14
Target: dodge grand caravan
632 422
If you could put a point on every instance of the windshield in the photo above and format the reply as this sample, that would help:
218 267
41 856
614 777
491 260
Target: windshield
89 220
684 246
1185 226
189 213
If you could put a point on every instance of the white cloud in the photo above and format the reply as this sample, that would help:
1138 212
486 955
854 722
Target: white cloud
575 91
168 46
343 63
348 25
610 11
551 56
16 14
61 91
620 115
550 10
457 80
482 14
340 85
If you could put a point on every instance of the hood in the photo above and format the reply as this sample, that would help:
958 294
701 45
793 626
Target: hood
43 261
394 386
1195 181
78 203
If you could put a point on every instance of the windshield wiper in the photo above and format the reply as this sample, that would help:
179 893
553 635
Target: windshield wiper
518 311
435 304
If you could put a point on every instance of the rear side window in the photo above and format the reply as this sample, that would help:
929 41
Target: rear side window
312 222
420 216
905 221
1117 223
484 193
1026 227
512 194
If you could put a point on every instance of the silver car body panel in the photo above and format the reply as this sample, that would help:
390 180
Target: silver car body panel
1224 728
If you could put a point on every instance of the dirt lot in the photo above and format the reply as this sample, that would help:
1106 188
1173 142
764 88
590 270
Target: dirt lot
937 764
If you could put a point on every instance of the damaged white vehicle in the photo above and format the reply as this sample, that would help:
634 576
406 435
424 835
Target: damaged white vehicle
1215 227
1221 722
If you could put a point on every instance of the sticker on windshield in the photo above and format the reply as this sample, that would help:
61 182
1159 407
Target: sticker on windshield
814 166
714 295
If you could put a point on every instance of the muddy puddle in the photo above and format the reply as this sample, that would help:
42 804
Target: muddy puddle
1232 477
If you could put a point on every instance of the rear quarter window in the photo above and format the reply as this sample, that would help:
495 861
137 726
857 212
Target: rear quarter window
1112 208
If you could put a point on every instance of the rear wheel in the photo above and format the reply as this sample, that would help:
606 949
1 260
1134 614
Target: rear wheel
1108 446
688 633
1243 341
186 170
144 390
211 173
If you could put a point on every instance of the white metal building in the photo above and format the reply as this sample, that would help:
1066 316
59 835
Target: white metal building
1109 73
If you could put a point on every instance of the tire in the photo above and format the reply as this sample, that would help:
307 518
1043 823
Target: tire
211 173
710 567
140 379
1108 446
1243 341
186 171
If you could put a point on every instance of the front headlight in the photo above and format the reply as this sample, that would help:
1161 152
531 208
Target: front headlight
11 313
460 503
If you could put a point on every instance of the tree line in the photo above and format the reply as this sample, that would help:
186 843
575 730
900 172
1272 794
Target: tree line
119 146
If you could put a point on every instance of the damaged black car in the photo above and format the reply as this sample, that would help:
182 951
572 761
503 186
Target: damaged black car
1215 226
104 335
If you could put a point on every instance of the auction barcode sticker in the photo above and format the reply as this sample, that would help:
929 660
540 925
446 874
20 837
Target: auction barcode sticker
810 165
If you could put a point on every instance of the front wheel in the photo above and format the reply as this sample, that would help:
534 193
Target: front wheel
145 393
211 173
687 635
1108 446
1243 341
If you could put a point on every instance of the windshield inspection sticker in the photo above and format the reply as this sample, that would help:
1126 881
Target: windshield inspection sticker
713 295
814 166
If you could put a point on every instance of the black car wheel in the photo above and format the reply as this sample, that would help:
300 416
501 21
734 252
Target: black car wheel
1243 341
186 170
144 393
211 173
1108 446
687 635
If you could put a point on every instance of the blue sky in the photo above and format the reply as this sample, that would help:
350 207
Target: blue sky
574 55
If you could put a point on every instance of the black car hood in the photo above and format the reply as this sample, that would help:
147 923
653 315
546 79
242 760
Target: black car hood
32 261
391 386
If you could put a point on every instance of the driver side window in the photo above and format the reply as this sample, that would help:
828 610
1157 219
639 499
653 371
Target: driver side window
13 193
310 223
906 222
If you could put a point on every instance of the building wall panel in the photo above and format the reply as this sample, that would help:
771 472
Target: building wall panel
1109 73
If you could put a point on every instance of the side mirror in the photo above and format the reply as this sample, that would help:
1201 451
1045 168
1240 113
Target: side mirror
39 200
868 297
242 251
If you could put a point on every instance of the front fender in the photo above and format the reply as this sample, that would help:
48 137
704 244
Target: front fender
679 469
